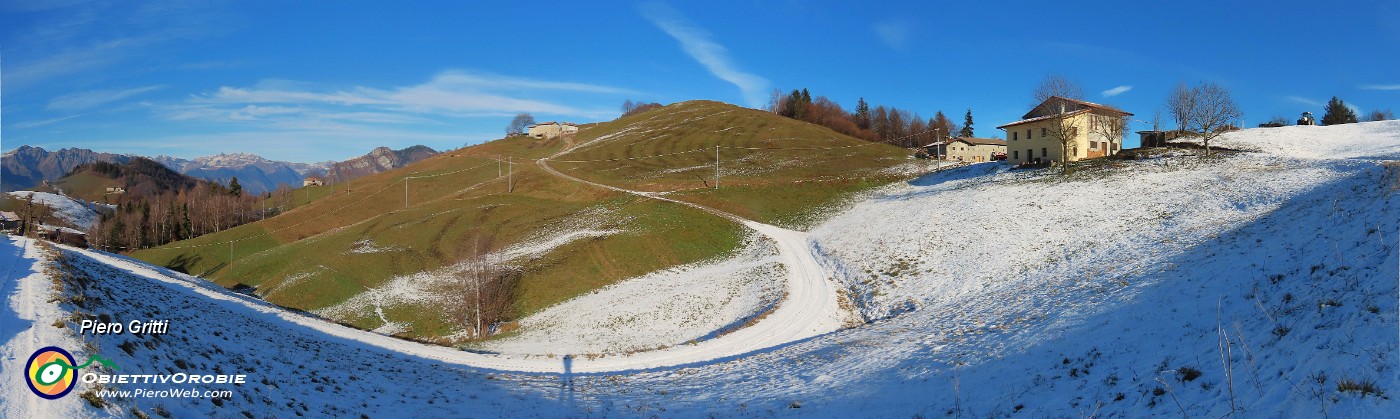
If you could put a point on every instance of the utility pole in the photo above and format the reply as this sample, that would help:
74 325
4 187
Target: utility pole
716 167
405 191
510 174
937 149
498 167
230 256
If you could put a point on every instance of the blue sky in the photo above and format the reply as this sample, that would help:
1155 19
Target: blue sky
315 81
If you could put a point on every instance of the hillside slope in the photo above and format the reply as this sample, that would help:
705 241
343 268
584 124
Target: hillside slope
356 254
1111 292
1108 291
771 169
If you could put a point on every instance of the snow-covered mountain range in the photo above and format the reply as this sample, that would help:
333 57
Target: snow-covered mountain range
26 167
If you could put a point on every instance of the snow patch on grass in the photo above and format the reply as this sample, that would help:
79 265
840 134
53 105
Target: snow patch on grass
665 308
81 214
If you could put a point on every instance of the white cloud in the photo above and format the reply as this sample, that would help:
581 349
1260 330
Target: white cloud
33 124
1305 101
451 93
72 43
715 57
1117 91
894 34
85 100
1380 86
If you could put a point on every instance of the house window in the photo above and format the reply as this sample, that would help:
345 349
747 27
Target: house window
1044 132
1016 155
1093 145
1028 133
1013 135
1044 152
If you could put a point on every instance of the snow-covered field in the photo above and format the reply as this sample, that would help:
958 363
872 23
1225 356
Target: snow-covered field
81 214
665 308
1258 284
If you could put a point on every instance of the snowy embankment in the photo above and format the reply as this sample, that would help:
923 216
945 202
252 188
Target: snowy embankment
81 214
291 368
1101 292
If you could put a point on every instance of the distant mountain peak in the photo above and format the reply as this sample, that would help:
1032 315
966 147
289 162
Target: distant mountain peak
378 160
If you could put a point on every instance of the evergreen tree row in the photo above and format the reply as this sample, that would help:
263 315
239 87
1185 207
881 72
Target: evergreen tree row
881 123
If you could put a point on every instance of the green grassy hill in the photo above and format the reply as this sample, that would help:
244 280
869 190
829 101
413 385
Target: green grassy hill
87 186
345 240
772 169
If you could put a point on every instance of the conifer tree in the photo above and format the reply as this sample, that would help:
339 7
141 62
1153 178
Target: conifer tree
862 117
967 124
1338 113
234 188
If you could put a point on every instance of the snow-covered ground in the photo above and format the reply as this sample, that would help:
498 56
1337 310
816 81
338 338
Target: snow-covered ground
665 308
81 214
1262 284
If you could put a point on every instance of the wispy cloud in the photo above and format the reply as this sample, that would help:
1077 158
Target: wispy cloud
696 42
894 34
1117 91
452 93
89 38
40 123
85 100
1380 86
1303 100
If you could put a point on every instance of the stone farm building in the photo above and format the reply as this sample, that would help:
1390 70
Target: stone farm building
312 181
1094 131
552 129
967 149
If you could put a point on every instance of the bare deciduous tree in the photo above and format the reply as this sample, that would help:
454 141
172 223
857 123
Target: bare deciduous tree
1053 92
1213 111
1112 128
775 100
519 123
1179 104
1379 115
486 287
1057 85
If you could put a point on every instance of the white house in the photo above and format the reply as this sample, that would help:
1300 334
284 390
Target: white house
552 129
1091 130
967 149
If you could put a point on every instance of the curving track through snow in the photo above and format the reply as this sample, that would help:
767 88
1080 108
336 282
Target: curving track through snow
809 309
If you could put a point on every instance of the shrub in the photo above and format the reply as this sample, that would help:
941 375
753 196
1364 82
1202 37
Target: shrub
1188 373
1362 386
91 397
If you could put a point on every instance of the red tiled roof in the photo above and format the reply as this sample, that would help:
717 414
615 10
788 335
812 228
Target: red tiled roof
1086 104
